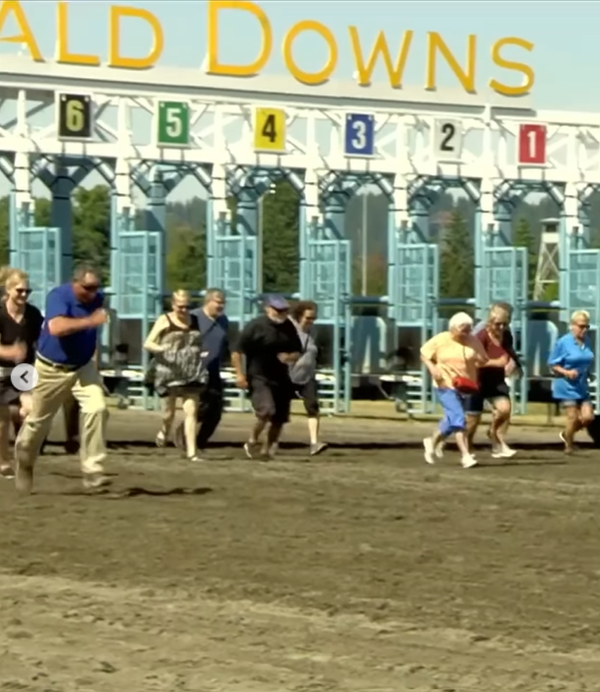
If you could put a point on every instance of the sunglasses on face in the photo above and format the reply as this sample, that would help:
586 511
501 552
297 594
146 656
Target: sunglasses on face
90 288
23 291
582 326
182 307
504 325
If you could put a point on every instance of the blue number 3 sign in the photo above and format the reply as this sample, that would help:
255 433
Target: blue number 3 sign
360 135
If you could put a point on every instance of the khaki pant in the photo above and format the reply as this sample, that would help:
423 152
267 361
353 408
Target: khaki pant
50 393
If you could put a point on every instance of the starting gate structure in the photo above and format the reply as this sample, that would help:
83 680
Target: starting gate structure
60 122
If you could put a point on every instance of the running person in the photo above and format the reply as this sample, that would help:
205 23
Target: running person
492 382
303 372
571 362
20 327
453 358
270 344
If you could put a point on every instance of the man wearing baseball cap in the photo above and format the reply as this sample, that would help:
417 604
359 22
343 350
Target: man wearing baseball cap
269 344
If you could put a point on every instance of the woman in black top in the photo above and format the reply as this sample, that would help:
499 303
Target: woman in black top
175 343
20 326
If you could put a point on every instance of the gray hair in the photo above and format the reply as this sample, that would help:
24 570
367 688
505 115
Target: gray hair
83 269
460 319
212 293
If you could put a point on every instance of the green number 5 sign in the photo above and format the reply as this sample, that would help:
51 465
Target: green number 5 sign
173 124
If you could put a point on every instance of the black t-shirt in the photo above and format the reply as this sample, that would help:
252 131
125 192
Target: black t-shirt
261 341
27 331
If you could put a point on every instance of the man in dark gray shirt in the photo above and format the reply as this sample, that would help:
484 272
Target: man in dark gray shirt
214 327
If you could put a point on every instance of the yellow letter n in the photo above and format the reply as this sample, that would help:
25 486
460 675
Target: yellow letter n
466 77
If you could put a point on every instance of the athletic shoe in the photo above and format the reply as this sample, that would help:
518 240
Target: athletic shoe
503 451
439 449
7 471
269 453
468 461
250 448
95 481
160 440
428 451
317 448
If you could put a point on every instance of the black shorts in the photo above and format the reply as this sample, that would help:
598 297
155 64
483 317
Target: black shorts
9 396
474 403
309 393
271 400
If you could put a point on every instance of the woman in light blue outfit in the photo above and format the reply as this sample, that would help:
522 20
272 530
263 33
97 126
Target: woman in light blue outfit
571 363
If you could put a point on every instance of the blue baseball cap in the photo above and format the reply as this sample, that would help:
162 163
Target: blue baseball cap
277 302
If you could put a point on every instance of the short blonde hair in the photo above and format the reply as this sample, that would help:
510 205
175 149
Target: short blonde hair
11 277
180 295
460 319
580 315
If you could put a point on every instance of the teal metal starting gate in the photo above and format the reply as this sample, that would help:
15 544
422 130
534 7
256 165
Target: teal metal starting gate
38 252
504 278
326 279
137 286
582 292
413 290
233 267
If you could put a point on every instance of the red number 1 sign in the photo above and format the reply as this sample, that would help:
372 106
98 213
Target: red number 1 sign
532 145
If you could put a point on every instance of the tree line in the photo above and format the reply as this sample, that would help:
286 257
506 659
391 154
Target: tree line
451 226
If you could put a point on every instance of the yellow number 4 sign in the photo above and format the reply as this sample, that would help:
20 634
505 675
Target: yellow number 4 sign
269 129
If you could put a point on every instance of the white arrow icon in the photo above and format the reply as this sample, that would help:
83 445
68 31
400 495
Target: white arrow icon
24 377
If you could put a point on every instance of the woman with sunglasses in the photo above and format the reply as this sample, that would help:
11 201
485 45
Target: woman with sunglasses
497 341
175 343
571 362
20 327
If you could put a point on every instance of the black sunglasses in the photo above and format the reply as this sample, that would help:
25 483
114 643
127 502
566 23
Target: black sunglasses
23 291
90 288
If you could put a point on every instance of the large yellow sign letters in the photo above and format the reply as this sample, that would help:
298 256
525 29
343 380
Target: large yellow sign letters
365 58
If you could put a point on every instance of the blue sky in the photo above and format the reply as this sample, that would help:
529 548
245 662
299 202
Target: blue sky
565 58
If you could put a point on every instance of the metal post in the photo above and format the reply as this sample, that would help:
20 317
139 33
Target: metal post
364 244
260 246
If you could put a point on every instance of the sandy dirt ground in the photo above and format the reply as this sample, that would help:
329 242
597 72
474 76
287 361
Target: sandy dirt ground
362 570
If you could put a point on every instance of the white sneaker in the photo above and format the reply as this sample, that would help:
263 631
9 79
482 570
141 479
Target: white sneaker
502 451
468 461
428 451
439 449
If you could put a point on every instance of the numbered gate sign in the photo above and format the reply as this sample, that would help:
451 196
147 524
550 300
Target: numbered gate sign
75 116
532 145
447 140
359 137
173 124
269 129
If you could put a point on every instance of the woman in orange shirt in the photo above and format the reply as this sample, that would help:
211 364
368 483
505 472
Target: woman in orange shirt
453 358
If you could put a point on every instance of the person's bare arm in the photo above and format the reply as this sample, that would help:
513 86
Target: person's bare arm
152 343
63 326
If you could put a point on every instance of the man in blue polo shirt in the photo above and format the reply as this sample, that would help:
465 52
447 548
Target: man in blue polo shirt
214 327
65 364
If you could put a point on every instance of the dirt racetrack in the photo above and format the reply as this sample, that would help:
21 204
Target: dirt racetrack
361 570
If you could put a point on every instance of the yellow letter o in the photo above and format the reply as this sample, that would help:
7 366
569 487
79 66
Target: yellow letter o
312 78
